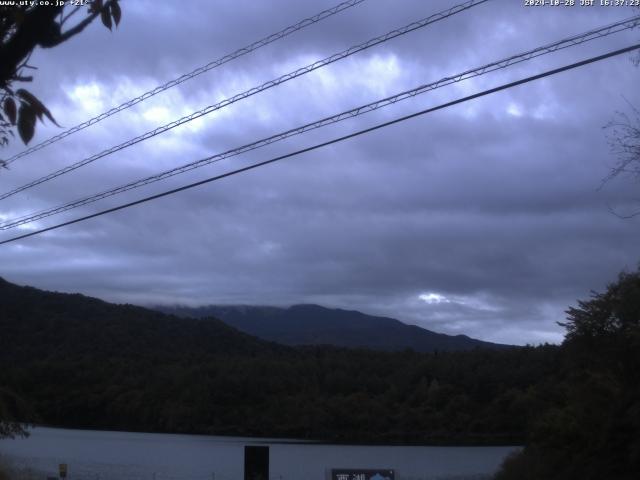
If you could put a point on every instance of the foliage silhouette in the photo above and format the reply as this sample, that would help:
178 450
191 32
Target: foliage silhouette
25 26
592 428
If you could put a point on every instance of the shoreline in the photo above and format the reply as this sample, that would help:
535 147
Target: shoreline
276 440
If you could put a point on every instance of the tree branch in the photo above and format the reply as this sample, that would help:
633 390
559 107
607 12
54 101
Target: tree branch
39 28
82 25
72 13
620 216
36 25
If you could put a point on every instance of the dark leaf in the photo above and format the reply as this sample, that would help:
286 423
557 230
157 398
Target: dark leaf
116 12
105 16
37 105
29 97
95 7
26 122
11 110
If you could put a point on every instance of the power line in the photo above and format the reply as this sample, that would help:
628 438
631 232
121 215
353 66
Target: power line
354 112
330 142
188 76
248 93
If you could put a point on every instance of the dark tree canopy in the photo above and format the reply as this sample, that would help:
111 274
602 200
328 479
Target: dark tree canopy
592 429
615 311
22 29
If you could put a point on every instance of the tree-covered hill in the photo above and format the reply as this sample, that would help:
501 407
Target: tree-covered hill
85 363
39 324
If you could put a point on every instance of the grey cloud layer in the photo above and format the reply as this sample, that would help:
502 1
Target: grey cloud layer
497 212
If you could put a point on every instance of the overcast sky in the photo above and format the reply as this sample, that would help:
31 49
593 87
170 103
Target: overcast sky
486 218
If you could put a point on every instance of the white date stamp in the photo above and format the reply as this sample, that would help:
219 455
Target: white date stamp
581 3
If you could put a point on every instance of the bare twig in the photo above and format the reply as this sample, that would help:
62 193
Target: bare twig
621 216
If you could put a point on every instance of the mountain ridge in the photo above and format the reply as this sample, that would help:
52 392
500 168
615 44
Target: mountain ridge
311 324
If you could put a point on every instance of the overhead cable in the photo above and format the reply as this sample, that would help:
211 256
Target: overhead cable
354 112
248 93
188 76
330 142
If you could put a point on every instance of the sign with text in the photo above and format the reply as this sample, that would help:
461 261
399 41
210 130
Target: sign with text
361 474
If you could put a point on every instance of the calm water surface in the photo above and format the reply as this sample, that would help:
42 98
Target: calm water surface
98 455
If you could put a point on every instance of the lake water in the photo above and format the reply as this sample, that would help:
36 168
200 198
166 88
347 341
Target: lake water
99 455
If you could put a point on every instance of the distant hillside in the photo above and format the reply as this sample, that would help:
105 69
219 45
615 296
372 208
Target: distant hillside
37 323
316 325
80 362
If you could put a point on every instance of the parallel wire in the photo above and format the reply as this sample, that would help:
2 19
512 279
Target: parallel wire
330 142
248 93
188 76
497 65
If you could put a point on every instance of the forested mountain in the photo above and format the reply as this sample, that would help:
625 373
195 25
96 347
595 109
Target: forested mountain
73 361
68 324
82 362
316 325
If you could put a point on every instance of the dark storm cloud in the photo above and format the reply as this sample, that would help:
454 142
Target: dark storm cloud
485 219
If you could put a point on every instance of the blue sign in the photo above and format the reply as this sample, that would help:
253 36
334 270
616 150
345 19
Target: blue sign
361 474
